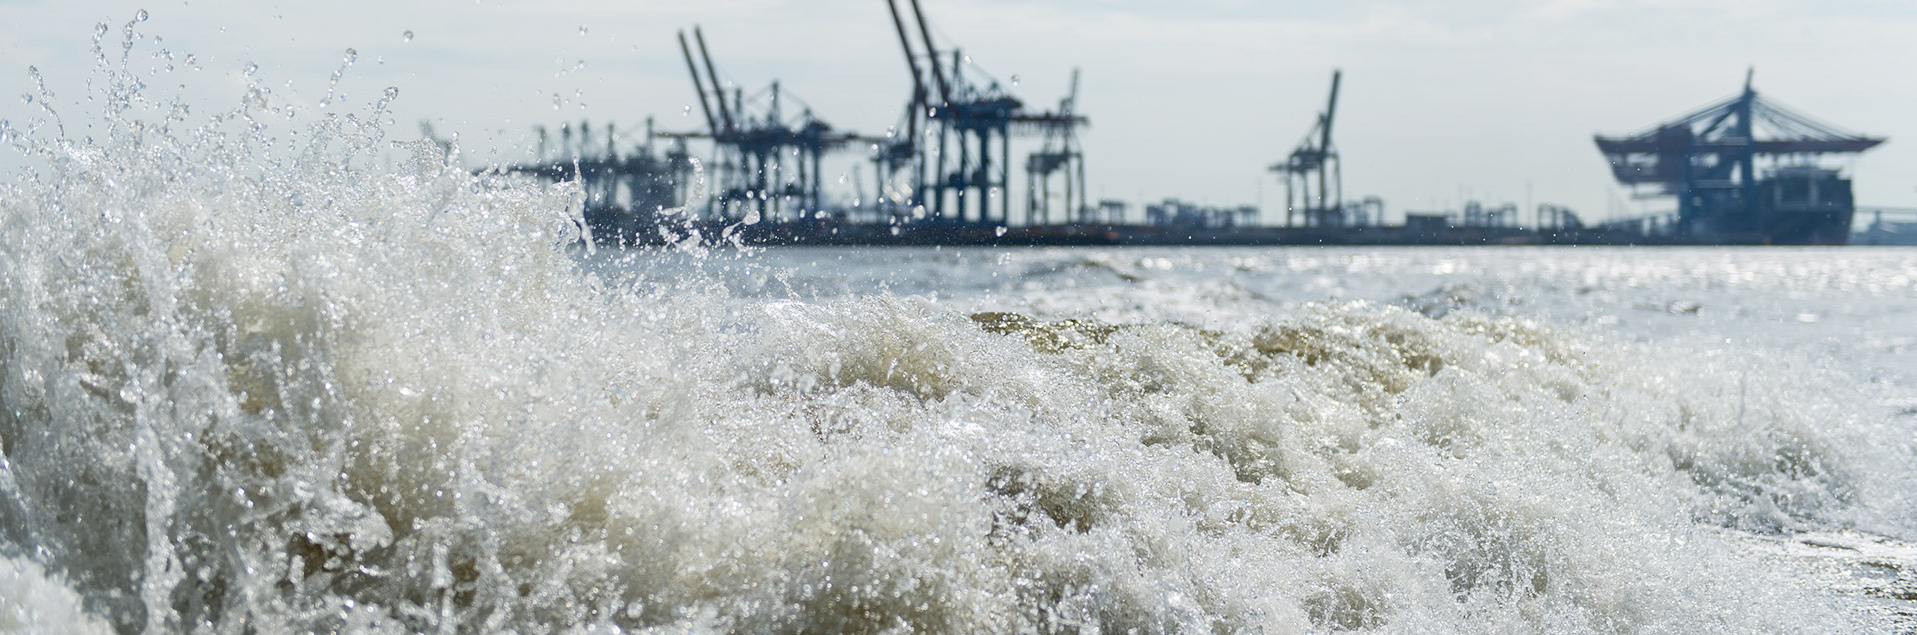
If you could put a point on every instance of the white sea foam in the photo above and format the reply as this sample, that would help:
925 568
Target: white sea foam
33 602
250 386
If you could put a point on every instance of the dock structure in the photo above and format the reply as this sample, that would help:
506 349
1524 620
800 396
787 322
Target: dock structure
1743 170
972 119
626 188
1315 159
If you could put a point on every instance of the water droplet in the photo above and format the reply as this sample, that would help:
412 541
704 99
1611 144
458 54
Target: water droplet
27 98
999 231
140 16
557 101
351 56
392 92
407 36
100 30
582 30
252 68
1015 80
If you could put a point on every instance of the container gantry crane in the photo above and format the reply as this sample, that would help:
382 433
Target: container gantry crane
754 148
1060 153
1315 159
1709 160
976 120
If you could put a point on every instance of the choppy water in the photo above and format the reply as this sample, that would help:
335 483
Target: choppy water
255 382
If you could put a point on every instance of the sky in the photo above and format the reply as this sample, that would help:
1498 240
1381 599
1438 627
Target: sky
1492 100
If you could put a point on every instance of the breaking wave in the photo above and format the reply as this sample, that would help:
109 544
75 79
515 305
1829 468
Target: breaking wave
254 381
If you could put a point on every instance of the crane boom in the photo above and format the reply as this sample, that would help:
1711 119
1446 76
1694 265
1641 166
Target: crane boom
918 83
931 52
725 114
1071 99
1331 109
704 105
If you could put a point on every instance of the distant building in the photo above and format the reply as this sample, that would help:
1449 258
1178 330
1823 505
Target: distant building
1882 232
1176 213
1418 223
1111 211
1475 215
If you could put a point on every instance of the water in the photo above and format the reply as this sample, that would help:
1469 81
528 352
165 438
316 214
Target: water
257 379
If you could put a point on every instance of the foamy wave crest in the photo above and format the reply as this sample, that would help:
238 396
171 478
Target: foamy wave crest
258 386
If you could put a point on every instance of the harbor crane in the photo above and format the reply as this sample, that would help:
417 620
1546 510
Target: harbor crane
1315 159
754 147
977 120
1060 153
1744 170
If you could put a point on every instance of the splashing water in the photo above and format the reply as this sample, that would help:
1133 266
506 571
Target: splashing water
258 385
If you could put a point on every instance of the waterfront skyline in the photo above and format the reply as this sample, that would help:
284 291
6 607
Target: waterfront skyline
1492 101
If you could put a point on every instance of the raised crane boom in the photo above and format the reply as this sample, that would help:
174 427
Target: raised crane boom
711 123
1331 108
911 63
725 114
938 73
1071 98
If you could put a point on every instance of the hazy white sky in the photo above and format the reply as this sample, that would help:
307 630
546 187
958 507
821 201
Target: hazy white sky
1487 99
